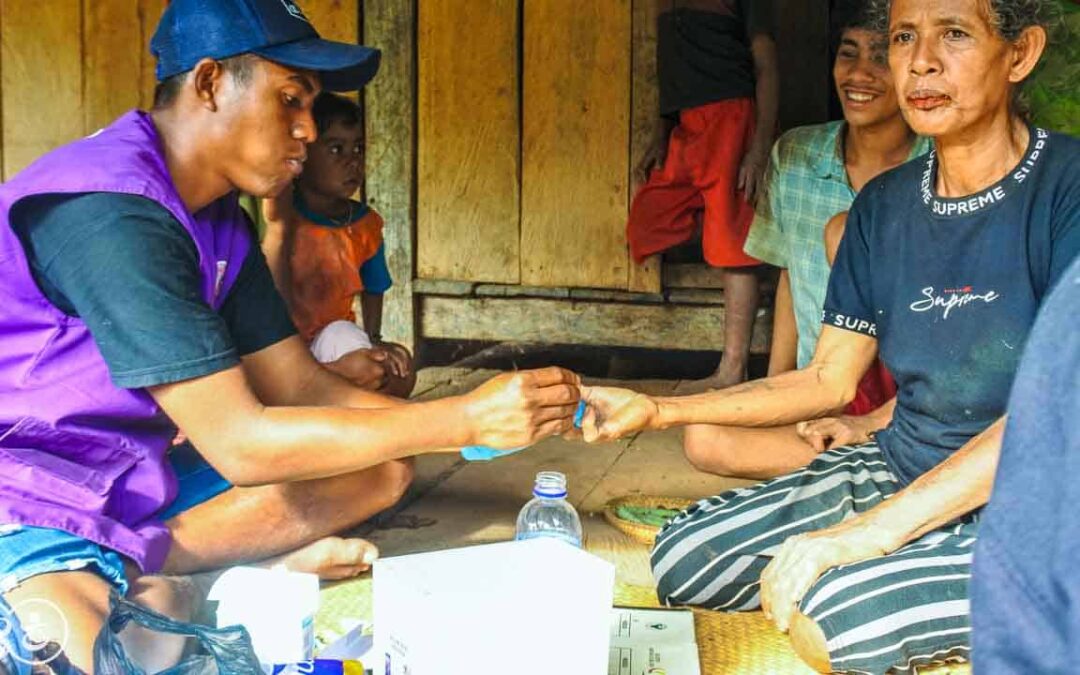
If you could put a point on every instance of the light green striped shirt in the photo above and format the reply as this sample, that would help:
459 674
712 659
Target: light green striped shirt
807 185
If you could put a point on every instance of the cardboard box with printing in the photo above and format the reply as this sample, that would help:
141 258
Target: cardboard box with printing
522 607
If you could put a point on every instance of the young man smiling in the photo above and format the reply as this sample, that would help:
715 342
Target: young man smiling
135 300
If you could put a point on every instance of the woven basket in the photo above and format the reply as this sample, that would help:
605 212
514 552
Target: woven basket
639 531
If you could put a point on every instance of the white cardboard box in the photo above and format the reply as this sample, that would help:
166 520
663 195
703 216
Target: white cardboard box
523 607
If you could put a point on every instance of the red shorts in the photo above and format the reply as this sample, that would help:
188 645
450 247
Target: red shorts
698 179
876 387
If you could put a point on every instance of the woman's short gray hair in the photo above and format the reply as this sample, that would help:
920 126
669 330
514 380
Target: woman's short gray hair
1009 17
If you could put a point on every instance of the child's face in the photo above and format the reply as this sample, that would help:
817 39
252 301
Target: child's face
335 162
863 81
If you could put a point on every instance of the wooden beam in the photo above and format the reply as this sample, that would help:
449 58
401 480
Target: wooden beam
390 105
693 275
443 287
644 111
584 323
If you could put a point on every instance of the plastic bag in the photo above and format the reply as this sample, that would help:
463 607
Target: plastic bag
229 649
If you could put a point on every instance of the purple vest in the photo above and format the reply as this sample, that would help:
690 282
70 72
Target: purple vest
78 453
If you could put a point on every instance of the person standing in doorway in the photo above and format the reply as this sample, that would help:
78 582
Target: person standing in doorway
719 93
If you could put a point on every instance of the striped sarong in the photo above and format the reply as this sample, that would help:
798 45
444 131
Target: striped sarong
898 612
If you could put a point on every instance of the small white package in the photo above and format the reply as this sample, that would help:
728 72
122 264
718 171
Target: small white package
276 606
525 607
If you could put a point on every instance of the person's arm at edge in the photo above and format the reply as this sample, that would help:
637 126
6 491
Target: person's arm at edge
783 352
957 486
767 109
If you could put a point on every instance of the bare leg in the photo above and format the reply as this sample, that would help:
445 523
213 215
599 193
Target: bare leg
744 452
809 642
69 609
741 293
252 524
740 307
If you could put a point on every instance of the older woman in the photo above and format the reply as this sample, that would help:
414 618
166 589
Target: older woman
865 554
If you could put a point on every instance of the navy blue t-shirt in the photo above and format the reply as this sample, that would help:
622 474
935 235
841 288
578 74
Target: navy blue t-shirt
950 289
1025 591
130 271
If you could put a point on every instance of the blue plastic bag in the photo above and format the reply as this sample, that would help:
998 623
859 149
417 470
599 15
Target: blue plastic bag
228 649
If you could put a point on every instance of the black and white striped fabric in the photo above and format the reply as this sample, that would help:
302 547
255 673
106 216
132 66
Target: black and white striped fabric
904 610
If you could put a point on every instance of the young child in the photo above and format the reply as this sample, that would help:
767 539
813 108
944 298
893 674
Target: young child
325 248
717 74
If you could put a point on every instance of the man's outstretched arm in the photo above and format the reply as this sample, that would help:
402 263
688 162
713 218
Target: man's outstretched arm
313 429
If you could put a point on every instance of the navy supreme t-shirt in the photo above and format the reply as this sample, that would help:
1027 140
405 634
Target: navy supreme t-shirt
950 289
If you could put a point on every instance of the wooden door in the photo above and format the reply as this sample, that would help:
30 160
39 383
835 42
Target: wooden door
469 141
524 179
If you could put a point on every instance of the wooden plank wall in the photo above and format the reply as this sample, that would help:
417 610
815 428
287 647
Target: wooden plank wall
334 19
67 67
390 105
576 125
644 108
468 198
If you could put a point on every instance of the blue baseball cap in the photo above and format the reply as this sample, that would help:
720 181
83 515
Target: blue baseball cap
276 30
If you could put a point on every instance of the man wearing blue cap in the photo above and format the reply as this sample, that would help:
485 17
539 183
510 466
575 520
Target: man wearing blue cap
135 301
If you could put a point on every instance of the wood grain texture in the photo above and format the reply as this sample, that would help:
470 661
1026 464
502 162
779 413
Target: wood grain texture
112 65
150 12
586 323
468 196
575 153
42 81
334 19
390 104
644 111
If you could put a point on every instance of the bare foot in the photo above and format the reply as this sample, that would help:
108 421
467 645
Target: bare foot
331 558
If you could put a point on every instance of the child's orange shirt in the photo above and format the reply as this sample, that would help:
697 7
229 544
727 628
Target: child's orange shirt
325 266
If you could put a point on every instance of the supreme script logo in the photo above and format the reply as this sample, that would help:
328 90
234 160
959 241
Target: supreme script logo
950 299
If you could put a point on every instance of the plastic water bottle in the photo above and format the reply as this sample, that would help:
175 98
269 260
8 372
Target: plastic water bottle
548 514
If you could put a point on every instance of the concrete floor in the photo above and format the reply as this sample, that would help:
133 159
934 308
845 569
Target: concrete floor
457 503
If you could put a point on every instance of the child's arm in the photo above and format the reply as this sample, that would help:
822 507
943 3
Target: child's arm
767 105
277 243
371 312
375 273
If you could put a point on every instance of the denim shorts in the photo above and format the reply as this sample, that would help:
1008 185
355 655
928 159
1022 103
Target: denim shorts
26 551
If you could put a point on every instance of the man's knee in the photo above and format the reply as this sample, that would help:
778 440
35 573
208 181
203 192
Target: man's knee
714 449
809 642
63 609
